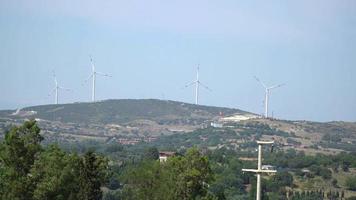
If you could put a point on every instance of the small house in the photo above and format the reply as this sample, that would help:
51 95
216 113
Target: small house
164 155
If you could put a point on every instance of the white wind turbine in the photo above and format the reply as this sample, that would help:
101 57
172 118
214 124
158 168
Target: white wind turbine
93 76
197 84
57 88
267 93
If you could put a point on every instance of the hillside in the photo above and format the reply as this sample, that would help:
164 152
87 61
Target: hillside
130 121
313 156
126 110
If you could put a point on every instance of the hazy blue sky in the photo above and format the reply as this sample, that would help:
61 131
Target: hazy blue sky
151 48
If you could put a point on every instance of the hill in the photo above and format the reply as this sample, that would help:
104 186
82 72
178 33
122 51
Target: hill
126 110
128 120
133 121
313 156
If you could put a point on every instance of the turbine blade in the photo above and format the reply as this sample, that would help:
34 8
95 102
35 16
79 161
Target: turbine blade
189 84
206 87
91 75
257 79
66 89
102 74
276 86
53 90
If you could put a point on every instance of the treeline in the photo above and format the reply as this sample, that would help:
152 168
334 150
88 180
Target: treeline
29 171
193 174
316 195
228 181
298 160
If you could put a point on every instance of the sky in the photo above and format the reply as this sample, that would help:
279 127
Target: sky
151 48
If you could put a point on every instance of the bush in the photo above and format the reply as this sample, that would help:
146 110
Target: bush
351 183
114 148
332 137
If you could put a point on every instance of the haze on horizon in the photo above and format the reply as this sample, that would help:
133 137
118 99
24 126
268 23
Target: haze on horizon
152 48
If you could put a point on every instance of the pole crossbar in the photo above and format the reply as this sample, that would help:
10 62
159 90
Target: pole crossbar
259 171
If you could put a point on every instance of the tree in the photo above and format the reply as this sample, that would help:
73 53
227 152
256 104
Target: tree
334 182
114 148
17 155
144 181
151 153
180 178
192 174
30 172
283 179
55 174
112 195
325 173
92 174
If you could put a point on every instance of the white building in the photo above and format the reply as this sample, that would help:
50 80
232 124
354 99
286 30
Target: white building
164 155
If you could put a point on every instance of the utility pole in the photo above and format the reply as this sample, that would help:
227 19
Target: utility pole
259 169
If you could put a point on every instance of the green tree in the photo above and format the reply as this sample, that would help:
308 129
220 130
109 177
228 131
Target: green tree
17 155
144 181
112 195
55 174
283 179
151 153
30 172
192 175
180 178
92 175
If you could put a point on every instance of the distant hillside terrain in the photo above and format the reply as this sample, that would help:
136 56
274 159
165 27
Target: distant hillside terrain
317 155
175 124
126 110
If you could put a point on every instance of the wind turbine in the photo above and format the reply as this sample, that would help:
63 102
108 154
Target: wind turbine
57 88
197 84
267 93
93 76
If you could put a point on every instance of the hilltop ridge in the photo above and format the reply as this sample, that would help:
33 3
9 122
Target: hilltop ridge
125 110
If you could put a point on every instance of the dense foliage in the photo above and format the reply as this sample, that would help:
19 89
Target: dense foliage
181 177
29 171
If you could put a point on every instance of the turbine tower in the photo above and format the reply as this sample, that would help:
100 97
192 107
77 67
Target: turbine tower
197 84
57 88
93 76
267 93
